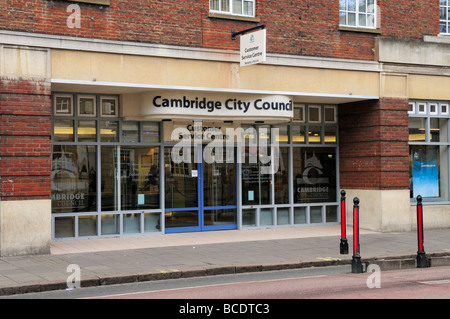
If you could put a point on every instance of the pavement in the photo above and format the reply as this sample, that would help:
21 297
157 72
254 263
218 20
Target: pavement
108 261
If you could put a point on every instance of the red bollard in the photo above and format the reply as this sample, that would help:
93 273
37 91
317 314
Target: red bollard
343 247
356 258
421 258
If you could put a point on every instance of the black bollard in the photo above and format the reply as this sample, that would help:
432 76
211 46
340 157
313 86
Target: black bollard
343 247
421 255
356 258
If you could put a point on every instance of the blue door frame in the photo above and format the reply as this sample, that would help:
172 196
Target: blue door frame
201 209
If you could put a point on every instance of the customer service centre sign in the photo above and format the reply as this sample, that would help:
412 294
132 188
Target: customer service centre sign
253 48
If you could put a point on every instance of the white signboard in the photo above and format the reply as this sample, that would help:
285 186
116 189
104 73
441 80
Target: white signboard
253 48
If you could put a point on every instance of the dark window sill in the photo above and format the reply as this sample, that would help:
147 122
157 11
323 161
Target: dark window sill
361 30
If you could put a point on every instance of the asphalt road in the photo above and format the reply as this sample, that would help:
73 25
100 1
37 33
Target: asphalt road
307 283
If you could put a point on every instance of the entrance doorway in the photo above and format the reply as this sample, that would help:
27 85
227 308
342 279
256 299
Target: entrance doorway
200 195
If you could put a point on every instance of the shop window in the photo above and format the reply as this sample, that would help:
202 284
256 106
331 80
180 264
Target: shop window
358 13
429 151
90 200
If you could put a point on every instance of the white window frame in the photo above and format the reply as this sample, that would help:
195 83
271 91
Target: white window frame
444 7
357 13
230 6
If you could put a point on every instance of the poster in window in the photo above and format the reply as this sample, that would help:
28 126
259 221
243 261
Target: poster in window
425 172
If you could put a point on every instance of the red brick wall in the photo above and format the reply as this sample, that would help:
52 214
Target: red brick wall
25 145
373 144
307 27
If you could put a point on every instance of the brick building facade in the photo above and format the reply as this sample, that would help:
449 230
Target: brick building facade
379 65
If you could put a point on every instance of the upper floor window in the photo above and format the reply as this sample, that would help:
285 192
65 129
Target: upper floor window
358 13
444 19
236 7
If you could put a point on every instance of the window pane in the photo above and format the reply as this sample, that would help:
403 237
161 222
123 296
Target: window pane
314 136
132 223
110 224
248 8
298 134
371 6
139 175
443 27
352 19
219 217
438 130
362 5
109 185
64 227
351 5
315 215
87 131
108 131
225 5
342 4
416 129
152 222
63 130
443 13
150 132
429 172
214 4
237 6
330 134
314 171
331 214
87 225
362 20
130 132
371 20
300 215
73 179
181 184
283 216
266 217
248 217
282 177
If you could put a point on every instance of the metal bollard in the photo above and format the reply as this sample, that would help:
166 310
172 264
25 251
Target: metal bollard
356 258
421 255
343 247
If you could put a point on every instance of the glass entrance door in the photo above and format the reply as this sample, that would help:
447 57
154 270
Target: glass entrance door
199 196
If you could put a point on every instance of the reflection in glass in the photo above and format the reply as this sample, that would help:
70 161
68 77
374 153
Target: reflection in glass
87 131
87 225
330 134
282 177
416 129
314 173
63 131
219 217
181 181
139 177
110 224
132 223
248 217
283 216
109 185
298 134
266 217
64 227
150 132
331 214
130 132
108 131
299 215
185 218
73 178
315 214
314 136
152 222
219 180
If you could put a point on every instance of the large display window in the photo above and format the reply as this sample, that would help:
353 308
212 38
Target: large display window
429 151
